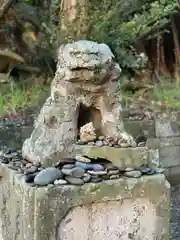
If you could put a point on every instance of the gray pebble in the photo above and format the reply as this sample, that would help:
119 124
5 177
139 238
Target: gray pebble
97 173
68 166
74 172
8 156
105 177
60 182
77 172
141 144
159 170
116 146
47 176
14 154
66 171
98 167
113 172
144 170
122 169
85 166
30 170
91 143
81 142
5 160
86 178
124 145
97 180
40 168
82 159
20 171
15 159
13 167
134 145
128 169
74 181
105 143
17 164
99 143
114 176
151 172
133 174
112 167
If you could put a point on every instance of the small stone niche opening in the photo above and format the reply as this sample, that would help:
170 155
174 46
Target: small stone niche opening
87 115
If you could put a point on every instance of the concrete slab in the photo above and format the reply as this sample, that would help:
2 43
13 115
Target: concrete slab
135 127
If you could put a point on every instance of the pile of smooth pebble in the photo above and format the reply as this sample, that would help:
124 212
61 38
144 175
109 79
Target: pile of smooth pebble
110 142
75 171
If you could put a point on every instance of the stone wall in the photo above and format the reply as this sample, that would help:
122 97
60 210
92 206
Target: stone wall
163 141
114 209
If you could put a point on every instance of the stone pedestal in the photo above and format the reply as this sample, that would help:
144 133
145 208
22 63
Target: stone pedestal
121 157
115 209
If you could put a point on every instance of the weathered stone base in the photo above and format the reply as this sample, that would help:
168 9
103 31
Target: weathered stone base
114 209
121 157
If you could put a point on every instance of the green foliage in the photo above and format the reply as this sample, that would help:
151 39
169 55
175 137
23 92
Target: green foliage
1 105
166 95
121 23
118 23
14 98
54 22
163 97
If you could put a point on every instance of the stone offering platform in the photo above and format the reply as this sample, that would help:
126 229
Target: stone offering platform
121 157
115 209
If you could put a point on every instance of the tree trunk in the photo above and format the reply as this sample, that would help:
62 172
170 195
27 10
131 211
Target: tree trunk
177 50
4 6
74 20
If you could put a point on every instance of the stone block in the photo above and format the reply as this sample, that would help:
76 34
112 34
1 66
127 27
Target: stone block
166 128
111 210
169 150
121 157
169 156
11 137
154 160
172 174
135 127
162 142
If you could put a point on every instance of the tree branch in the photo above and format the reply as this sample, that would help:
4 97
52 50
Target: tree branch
178 3
5 4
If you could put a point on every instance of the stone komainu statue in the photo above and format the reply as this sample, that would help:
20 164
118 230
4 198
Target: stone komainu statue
86 76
